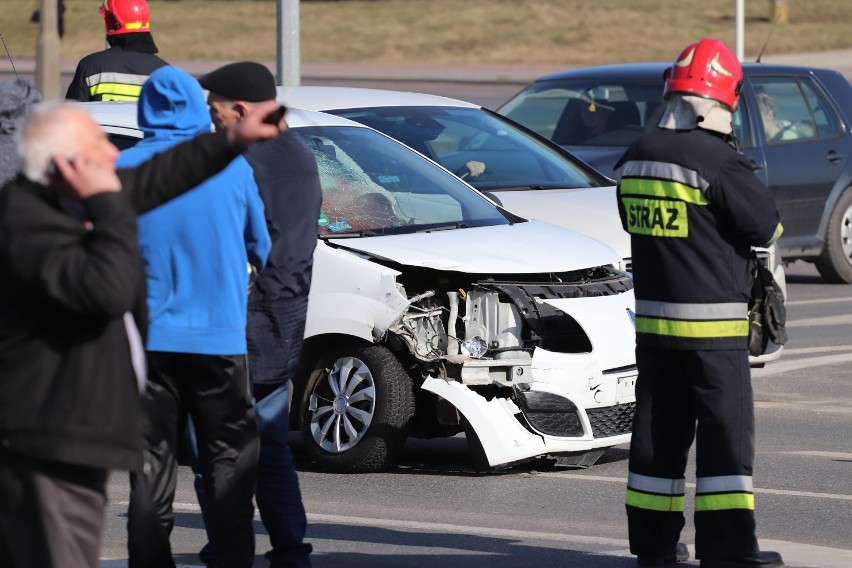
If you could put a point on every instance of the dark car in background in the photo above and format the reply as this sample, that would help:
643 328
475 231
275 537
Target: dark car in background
800 144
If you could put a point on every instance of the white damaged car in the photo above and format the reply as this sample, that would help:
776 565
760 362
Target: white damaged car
434 311
527 174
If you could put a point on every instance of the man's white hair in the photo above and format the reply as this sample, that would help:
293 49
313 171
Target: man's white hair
46 132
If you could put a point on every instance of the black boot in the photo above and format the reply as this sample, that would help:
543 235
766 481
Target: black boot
763 559
681 554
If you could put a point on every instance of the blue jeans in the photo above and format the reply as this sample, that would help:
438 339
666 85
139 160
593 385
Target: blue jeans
275 337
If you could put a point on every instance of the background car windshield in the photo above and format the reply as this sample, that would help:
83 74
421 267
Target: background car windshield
372 185
596 113
588 113
454 137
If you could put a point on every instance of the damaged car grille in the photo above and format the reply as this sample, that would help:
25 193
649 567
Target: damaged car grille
612 420
548 327
549 413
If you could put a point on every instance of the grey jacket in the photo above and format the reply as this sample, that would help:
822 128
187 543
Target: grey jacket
16 97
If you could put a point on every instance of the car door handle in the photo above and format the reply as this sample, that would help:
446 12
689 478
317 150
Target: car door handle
834 157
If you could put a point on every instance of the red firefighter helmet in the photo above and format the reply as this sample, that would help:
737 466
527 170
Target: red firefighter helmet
125 16
707 68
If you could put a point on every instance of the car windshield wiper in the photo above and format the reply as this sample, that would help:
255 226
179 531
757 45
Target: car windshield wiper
445 227
350 234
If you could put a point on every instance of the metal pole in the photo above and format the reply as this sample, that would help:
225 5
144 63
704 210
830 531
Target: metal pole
288 72
740 29
47 50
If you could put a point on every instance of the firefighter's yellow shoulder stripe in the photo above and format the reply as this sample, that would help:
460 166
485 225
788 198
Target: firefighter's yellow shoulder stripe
696 329
662 188
130 92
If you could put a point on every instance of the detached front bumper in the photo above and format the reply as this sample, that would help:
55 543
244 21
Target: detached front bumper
545 423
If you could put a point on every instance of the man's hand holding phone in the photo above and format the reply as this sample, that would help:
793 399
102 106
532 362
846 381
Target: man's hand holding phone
258 124
80 179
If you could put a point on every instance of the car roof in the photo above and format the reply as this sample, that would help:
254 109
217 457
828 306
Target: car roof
337 98
655 69
123 115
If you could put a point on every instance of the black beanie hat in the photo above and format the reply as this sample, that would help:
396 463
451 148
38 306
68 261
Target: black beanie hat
242 81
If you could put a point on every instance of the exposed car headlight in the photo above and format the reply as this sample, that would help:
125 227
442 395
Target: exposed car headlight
475 347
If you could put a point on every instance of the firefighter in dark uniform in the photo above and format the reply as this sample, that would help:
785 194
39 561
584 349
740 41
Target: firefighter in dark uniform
694 209
117 73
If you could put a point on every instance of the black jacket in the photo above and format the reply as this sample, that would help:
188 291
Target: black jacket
694 209
117 73
67 388
285 170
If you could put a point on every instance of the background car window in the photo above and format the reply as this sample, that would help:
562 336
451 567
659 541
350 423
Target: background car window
791 108
456 137
740 122
592 113
371 183
824 115
539 107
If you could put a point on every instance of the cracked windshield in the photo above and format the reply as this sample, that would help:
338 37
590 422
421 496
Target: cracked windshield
372 185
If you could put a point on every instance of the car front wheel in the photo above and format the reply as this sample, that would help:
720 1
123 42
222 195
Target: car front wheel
356 408
835 262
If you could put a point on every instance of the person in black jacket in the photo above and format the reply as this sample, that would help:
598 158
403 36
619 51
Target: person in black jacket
694 209
73 323
117 73
288 180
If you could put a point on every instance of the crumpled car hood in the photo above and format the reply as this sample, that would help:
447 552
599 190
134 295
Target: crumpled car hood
528 247
591 211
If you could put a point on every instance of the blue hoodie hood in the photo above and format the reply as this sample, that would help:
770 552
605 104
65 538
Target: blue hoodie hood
172 106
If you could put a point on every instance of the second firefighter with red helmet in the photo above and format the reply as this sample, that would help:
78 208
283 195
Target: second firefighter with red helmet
117 73
694 209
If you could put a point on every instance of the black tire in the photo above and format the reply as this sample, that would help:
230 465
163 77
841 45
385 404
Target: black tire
361 431
835 262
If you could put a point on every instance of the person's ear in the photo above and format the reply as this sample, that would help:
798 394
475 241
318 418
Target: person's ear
242 108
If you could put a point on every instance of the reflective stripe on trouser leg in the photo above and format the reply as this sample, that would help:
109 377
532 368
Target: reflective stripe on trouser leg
655 493
724 502
663 430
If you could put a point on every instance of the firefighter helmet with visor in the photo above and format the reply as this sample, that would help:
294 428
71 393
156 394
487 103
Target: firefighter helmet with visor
125 16
706 68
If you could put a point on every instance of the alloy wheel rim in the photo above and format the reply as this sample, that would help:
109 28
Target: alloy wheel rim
342 405
846 234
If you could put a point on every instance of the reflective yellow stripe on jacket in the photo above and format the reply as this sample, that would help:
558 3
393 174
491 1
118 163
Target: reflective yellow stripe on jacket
728 319
112 86
117 91
655 196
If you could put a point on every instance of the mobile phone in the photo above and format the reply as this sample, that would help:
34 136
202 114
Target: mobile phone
275 117
53 170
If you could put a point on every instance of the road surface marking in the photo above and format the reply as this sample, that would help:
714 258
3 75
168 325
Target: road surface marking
785 492
787 366
842 319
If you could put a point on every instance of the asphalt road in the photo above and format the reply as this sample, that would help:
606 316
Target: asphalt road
433 510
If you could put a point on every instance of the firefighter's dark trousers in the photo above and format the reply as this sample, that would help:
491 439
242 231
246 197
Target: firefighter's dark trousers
681 396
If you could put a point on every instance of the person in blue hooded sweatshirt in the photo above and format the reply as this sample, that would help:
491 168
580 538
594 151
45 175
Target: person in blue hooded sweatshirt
197 250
